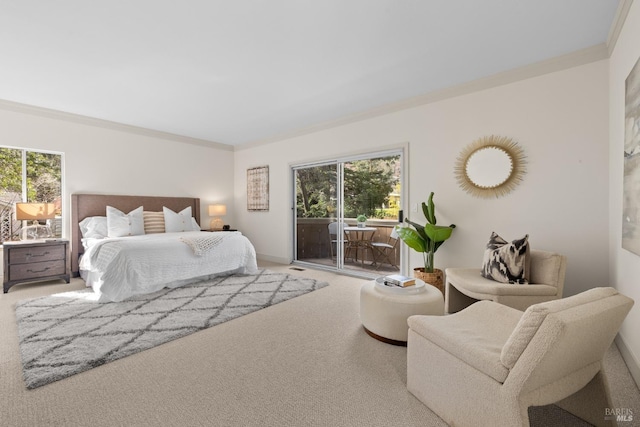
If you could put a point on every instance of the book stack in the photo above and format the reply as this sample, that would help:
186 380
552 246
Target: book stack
398 280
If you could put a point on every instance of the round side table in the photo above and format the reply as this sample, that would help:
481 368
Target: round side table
384 310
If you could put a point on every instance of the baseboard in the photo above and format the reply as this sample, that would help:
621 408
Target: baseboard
277 260
632 363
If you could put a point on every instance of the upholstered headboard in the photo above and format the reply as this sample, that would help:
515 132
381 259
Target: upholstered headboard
84 205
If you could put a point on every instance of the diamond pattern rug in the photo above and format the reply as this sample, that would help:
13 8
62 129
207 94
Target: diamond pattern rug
67 333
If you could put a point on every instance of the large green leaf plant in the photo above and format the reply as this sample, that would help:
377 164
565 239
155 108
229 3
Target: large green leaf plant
425 239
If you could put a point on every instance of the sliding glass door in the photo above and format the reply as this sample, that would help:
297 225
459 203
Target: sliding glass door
345 211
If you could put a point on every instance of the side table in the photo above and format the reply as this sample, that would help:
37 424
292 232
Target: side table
35 260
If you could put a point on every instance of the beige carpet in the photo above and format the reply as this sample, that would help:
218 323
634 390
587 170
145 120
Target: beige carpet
304 362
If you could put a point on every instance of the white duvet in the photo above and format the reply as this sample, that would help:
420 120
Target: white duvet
119 268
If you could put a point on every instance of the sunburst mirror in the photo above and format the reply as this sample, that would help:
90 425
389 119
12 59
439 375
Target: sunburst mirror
491 166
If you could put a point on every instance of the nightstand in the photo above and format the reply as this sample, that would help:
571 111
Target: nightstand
35 260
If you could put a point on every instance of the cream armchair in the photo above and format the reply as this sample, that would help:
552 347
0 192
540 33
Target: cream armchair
487 364
464 286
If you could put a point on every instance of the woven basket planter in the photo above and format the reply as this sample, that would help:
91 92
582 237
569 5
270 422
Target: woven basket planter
434 279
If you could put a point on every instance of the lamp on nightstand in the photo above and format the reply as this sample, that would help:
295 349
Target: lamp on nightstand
216 211
35 212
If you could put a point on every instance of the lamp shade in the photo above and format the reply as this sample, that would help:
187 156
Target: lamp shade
35 211
217 210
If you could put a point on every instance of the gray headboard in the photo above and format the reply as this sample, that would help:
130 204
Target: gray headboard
84 205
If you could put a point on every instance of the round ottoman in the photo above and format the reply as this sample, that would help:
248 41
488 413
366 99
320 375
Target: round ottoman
384 310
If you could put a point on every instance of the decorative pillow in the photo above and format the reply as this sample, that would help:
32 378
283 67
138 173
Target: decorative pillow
176 222
194 225
94 227
507 262
153 222
120 224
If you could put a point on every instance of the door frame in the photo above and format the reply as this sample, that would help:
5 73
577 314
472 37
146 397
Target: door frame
401 150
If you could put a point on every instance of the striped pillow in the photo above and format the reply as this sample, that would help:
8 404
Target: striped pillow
153 222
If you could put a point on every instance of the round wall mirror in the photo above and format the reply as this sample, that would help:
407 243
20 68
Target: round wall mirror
490 167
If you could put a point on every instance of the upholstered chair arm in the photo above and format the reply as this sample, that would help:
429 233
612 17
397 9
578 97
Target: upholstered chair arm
548 268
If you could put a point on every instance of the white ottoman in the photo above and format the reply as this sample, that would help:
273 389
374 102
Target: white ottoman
384 311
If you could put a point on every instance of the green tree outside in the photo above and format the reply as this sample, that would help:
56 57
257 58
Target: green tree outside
369 186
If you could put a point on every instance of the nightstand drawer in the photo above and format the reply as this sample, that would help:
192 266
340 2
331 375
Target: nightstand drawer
35 260
37 254
37 269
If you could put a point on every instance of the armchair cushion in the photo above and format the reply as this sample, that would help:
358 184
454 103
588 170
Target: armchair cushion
475 335
534 316
471 280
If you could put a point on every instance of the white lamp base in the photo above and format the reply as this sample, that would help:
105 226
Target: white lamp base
216 224
34 232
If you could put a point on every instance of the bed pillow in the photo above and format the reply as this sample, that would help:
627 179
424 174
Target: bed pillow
120 224
194 225
153 222
507 262
94 227
177 222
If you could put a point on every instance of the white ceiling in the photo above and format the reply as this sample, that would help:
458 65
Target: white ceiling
236 72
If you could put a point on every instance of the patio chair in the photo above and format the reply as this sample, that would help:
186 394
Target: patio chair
333 238
386 251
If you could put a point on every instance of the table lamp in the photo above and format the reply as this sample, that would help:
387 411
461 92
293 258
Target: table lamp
35 212
217 211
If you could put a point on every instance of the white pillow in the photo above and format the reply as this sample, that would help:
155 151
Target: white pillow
177 222
194 225
120 224
94 227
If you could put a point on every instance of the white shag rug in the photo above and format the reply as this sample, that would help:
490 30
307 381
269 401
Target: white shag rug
64 334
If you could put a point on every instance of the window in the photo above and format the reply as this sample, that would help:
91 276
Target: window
28 176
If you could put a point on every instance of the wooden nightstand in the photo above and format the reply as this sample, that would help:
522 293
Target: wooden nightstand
35 260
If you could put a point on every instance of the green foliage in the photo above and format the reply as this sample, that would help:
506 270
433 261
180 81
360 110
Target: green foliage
426 239
367 188
367 185
44 181
11 170
316 191
43 174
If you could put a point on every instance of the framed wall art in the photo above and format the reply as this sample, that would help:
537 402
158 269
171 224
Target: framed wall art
258 188
631 180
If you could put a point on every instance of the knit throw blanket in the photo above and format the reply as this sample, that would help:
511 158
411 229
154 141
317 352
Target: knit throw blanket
204 244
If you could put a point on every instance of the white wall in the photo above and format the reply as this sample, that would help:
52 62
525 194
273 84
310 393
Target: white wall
110 161
625 266
561 120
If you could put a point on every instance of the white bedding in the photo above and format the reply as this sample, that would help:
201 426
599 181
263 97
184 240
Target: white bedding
119 268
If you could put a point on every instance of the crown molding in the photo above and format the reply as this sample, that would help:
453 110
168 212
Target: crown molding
570 60
106 124
618 23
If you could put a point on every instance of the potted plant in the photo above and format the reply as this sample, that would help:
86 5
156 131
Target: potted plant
362 219
426 239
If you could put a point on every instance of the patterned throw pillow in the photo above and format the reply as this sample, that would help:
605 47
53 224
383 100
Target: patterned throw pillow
506 262
153 222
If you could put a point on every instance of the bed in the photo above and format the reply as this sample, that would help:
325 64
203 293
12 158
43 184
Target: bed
120 267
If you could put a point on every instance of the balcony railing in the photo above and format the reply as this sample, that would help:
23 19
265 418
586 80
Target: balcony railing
313 238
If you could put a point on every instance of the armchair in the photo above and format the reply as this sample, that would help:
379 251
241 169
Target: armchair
487 364
464 286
